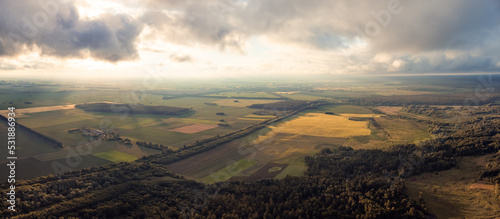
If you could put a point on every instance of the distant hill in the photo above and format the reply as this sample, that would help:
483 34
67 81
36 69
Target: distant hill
132 108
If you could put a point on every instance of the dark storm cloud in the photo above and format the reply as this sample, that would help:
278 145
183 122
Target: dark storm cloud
412 26
399 27
402 25
57 30
436 25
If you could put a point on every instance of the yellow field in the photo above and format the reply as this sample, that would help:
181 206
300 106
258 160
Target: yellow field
260 116
241 102
390 110
323 125
251 119
41 109
360 115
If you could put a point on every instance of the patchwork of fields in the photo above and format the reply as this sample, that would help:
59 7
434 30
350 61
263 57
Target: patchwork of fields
159 129
172 131
276 151
194 128
241 102
280 149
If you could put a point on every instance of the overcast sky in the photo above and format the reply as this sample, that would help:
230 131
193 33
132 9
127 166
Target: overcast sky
239 38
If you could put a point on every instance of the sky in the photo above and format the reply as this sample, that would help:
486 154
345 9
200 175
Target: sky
237 38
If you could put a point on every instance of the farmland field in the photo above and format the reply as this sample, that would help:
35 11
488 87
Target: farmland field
115 156
281 143
245 94
151 128
300 96
390 110
305 134
229 171
172 131
324 125
190 129
20 112
242 102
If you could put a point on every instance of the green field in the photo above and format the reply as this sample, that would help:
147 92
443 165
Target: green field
115 156
229 171
242 102
154 128
300 96
245 94
289 146
345 109
137 127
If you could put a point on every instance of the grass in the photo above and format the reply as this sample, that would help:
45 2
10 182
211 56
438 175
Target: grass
229 171
351 115
245 94
115 156
242 102
252 119
323 125
274 169
260 116
345 109
302 135
448 194
295 158
152 128
58 96
300 96
199 121
194 128
26 143
395 131
31 167
390 110
404 131
292 170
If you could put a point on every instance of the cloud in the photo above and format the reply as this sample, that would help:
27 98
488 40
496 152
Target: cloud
399 27
400 35
180 58
8 67
57 30
209 23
